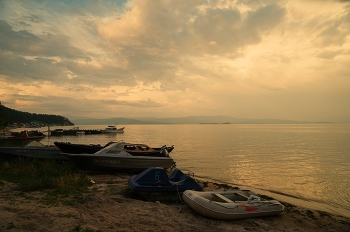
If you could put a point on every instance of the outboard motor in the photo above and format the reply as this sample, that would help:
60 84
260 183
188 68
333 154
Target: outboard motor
253 198
164 151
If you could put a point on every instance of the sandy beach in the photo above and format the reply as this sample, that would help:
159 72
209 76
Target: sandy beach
104 208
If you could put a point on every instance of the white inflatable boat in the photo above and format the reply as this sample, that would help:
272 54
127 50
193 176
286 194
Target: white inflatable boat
231 204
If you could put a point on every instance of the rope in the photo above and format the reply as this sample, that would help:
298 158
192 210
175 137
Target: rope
177 188
175 183
178 193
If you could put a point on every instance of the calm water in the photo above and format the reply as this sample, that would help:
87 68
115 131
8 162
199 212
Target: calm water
307 162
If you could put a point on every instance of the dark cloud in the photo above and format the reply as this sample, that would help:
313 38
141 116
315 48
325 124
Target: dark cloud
26 43
149 103
329 54
33 18
334 33
63 105
230 29
18 69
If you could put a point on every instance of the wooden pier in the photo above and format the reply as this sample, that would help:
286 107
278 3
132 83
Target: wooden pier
74 131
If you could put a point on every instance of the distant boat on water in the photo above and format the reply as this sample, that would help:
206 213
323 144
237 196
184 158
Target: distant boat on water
113 129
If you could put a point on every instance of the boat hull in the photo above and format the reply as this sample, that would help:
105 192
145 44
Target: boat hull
209 207
32 152
100 163
154 184
77 148
132 149
113 130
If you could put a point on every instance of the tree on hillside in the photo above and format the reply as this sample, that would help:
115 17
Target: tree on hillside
3 119
8 115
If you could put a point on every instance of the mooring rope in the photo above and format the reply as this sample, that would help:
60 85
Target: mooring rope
178 193
177 189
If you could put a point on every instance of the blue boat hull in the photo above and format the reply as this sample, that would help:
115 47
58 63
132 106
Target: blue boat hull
155 184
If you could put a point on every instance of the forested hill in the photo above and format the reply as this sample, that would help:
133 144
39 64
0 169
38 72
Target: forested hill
10 116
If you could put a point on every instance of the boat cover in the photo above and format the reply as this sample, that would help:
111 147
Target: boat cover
155 179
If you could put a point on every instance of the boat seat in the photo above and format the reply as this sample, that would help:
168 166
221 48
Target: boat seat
223 197
242 195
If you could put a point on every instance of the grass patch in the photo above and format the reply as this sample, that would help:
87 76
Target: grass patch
344 222
310 214
79 228
11 225
203 183
69 215
164 198
224 186
296 211
57 199
324 214
112 190
109 182
37 175
300 221
56 179
129 193
94 188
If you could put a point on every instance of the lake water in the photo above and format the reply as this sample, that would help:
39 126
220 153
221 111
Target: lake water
304 164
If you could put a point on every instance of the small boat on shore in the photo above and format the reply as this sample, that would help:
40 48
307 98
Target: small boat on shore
75 148
18 139
113 129
132 148
32 150
231 204
24 135
114 158
155 184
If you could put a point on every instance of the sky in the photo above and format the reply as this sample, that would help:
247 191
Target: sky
256 59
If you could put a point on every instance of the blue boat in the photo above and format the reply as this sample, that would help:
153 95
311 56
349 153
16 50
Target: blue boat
155 184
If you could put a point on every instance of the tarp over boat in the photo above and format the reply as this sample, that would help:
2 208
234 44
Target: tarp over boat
154 183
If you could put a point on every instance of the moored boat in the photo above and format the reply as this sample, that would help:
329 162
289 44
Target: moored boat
114 158
24 135
155 184
231 204
32 150
74 148
18 139
113 129
132 148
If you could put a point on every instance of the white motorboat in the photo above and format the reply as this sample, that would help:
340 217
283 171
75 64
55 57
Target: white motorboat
113 129
114 157
231 204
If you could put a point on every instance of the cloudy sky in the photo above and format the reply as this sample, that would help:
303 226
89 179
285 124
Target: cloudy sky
282 59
